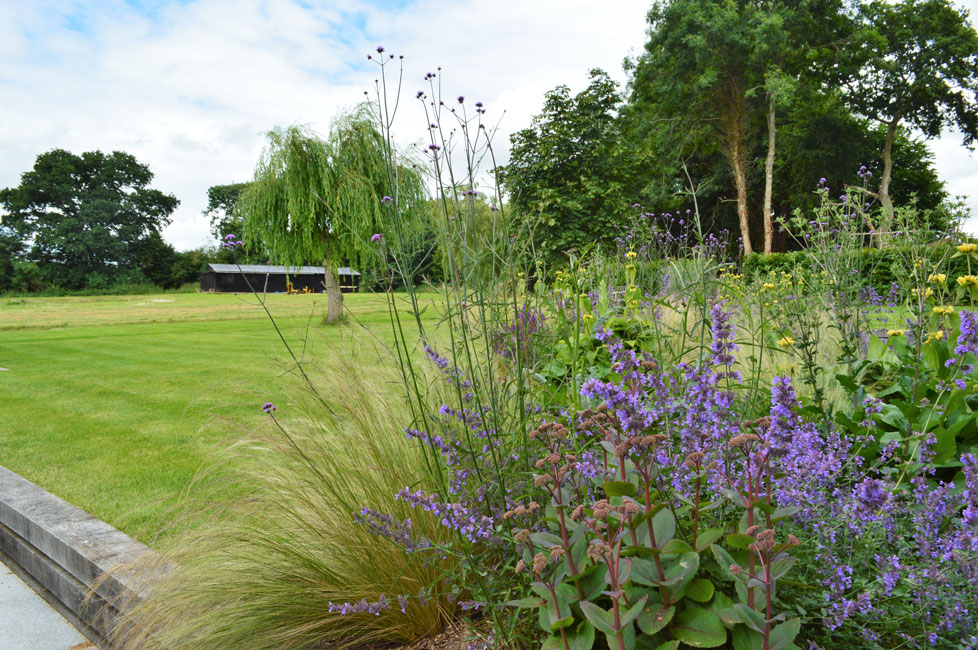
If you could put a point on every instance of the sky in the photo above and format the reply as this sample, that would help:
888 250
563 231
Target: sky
190 87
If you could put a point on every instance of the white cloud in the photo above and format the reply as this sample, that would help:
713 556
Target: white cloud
189 88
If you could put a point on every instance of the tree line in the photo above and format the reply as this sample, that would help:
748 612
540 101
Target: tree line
745 106
751 103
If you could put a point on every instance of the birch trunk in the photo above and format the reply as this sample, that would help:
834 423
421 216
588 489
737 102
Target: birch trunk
769 177
887 221
740 179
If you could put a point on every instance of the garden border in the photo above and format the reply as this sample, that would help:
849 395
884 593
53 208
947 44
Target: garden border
83 566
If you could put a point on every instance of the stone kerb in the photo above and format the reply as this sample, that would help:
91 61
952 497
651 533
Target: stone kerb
83 562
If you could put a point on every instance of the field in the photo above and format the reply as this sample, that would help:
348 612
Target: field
115 403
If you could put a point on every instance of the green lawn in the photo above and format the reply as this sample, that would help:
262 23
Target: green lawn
114 403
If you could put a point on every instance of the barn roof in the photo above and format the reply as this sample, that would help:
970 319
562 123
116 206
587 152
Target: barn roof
276 270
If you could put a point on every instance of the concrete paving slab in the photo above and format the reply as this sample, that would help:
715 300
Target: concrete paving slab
28 622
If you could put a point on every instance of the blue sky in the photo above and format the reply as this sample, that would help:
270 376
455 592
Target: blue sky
190 86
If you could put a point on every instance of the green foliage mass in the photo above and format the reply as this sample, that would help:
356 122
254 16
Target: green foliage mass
880 269
570 173
84 215
313 199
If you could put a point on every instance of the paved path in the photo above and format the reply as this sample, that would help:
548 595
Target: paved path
27 622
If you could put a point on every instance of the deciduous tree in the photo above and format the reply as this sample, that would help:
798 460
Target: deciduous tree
84 214
570 174
314 199
917 66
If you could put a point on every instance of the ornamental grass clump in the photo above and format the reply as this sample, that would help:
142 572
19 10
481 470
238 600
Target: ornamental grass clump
302 558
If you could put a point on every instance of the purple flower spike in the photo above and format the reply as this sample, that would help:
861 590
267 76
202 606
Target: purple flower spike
268 407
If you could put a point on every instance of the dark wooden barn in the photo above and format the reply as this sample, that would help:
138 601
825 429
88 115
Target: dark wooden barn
272 279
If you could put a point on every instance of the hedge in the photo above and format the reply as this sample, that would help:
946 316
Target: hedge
880 268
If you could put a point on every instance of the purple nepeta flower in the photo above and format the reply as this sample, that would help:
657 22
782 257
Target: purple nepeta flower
968 336
723 345
363 607
399 532
469 523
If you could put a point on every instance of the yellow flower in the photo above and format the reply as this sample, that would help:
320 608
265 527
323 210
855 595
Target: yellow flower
944 311
967 248
894 332
966 280
587 317
786 342
927 292
939 278
631 255
937 336
768 285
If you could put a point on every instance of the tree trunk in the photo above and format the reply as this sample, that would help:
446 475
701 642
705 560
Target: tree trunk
769 177
334 297
887 221
740 178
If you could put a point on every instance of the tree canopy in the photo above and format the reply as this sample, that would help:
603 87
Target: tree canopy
756 101
916 64
83 216
570 173
313 199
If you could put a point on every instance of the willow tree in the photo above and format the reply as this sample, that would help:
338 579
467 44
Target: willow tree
314 199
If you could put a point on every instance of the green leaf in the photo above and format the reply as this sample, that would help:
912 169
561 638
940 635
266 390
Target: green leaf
782 565
722 606
655 618
700 628
561 623
783 635
750 617
701 590
745 638
664 527
739 540
527 602
583 637
628 635
676 545
784 512
633 612
618 489
668 645
724 559
603 620
546 540
707 537
895 418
